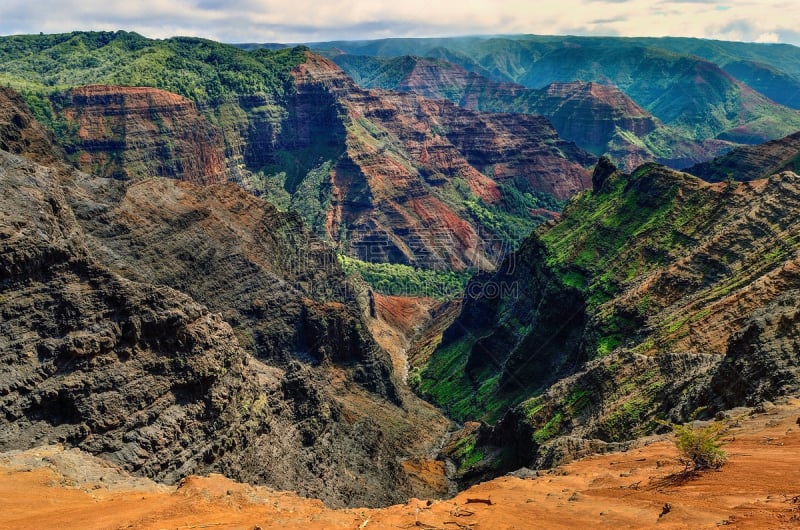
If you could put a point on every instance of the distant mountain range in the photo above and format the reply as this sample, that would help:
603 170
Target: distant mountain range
597 117
533 60
707 94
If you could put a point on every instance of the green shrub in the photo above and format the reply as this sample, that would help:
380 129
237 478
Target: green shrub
404 280
700 447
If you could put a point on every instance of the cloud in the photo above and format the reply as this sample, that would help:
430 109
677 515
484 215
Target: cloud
770 36
607 20
311 20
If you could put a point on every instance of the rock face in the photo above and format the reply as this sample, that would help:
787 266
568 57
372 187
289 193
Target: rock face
179 329
591 112
387 176
21 134
136 132
281 288
753 162
126 370
655 294
597 117
411 164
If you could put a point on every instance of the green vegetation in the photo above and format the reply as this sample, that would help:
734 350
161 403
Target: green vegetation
627 418
199 69
466 452
299 181
511 217
397 279
548 420
445 382
549 429
700 447
609 238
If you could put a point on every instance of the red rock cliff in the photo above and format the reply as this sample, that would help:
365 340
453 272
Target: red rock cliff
130 132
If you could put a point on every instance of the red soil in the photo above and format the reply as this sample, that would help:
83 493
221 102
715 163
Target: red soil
759 487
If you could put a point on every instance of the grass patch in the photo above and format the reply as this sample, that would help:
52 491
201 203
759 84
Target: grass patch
404 280
549 430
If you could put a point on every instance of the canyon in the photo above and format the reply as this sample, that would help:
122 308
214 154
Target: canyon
174 329
596 116
655 294
205 252
385 176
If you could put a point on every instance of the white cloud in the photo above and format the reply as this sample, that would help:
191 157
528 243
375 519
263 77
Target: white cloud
770 36
312 20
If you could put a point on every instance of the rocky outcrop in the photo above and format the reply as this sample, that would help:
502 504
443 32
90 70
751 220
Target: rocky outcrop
394 191
177 329
593 100
21 134
654 295
130 371
280 288
137 132
752 162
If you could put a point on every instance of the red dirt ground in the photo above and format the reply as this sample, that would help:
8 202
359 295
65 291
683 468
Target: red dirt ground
759 487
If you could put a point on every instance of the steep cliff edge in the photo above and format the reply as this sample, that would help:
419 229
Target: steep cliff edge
597 116
622 489
420 179
130 371
139 132
655 294
752 161
265 373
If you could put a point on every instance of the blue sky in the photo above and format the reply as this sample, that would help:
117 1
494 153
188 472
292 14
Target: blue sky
293 21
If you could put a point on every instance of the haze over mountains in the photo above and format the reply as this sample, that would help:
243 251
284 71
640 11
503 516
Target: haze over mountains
201 244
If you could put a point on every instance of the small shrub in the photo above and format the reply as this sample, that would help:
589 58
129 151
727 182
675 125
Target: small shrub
700 447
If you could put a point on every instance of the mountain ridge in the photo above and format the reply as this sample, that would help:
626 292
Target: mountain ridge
636 66
654 294
277 382
598 117
308 140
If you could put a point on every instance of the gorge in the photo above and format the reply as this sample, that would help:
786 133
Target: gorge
376 271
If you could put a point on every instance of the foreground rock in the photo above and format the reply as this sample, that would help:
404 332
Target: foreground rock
641 488
177 329
654 295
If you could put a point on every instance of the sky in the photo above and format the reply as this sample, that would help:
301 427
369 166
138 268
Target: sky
295 21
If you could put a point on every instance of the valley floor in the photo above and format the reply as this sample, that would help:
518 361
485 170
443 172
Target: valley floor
759 487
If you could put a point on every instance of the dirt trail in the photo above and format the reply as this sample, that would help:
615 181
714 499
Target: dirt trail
758 488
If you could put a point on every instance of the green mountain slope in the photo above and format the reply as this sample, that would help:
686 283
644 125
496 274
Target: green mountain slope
678 86
199 69
655 293
599 118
